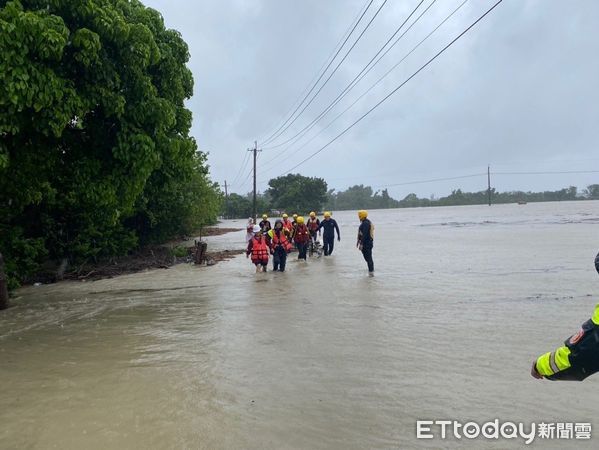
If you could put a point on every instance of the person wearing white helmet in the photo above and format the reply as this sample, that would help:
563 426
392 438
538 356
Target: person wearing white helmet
259 249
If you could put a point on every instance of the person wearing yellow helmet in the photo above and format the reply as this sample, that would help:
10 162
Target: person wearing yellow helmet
293 228
366 239
329 226
265 224
313 226
301 236
287 226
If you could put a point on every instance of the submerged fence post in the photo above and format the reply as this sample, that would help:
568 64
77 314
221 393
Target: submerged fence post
3 285
200 252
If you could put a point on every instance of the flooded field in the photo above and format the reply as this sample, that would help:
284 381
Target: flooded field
321 356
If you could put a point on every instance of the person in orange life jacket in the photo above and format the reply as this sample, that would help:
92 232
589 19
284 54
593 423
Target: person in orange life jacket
301 236
578 358
265 224
313 226
287 226
328 235
258 248
279 246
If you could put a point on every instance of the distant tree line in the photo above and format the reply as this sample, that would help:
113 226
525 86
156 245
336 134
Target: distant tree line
296 193
458 197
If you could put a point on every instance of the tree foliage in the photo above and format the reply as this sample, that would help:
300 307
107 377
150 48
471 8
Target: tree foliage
294 192
95 152
238 206
360 197
592 192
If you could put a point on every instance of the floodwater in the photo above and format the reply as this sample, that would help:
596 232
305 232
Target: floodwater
321 356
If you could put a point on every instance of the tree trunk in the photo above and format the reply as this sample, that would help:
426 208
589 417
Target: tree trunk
3 285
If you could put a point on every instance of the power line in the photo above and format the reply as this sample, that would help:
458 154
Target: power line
330 58
396 89
321 75
459 177
377 82
367 68
247 177
545 173
331 74
432 180
241 168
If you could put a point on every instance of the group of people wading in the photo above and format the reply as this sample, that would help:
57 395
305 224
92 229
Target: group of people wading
265 240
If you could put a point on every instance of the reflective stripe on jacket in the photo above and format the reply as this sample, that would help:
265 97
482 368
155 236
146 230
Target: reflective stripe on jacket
577 358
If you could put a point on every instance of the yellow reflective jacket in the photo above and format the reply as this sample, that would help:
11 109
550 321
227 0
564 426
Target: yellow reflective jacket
577 358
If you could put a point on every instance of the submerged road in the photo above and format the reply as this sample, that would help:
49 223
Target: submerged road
321 356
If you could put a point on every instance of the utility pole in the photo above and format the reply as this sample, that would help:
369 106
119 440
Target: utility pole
226 201
255 150
489 183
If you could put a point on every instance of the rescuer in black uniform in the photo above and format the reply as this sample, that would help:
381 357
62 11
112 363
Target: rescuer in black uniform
366 239
577 358
328 235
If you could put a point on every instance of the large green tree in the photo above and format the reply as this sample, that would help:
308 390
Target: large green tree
296 193
95 151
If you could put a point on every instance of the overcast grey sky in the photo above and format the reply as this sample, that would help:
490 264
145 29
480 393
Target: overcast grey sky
518 92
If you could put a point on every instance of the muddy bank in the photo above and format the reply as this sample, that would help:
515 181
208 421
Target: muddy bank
215 231
148 258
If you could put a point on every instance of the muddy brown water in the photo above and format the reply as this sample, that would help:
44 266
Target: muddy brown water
321 356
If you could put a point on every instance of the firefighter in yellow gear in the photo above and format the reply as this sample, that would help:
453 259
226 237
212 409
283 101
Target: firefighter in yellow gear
578 358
